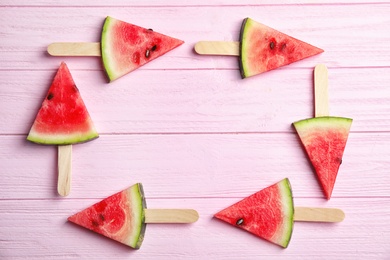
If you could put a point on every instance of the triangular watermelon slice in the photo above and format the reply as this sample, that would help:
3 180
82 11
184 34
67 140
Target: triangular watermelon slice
63 118
120 217
126 47
268 214
324 139
263 48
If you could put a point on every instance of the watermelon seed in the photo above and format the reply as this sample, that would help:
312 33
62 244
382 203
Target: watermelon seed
150 29
240 222
102 218
272 45
154 48
50 96
147 53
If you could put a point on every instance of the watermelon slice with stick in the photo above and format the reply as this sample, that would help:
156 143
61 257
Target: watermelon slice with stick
63 120
123 216
324 137
270 213
260 49
124 47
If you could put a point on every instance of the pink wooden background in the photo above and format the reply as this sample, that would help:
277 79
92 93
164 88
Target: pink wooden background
193 132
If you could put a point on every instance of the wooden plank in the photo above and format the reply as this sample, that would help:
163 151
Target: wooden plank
342 40
157 3
204 165
34 227
202 101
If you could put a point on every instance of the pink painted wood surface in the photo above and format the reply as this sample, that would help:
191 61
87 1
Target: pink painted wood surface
193 132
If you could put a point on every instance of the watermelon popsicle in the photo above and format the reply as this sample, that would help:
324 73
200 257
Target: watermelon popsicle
123 216
324 137
270 213
63 120
124 47
260 48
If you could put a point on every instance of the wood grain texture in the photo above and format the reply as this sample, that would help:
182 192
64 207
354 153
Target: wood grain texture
64 169
309 214
321 93
171 216
74 49
217 48
217 3
193 132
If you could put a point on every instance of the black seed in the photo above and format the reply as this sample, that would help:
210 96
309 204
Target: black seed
272 45
150 29
240 222
147 53
154 48
102 218
50 96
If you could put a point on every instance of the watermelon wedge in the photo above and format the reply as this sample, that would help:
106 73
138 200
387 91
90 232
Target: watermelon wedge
263 48
63 118
126 47
268 213
324 140
120 217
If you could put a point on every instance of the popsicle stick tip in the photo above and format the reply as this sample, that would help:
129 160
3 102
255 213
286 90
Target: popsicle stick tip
341 215
199 49
51 49
195 215
321 66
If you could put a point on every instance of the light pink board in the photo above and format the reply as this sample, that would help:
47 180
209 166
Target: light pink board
193 132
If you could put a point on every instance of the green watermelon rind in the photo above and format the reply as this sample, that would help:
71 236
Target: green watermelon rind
242 47
136 193
288 210
324 121
105 38
57 139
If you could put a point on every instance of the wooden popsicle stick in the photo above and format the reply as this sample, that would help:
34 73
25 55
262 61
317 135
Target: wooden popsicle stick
74 49
318 214
171 215
217 48
64 169
321 107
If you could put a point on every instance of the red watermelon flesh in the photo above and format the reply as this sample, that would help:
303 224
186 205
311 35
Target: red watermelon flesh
63 117
324 140
268 213
126 47
120 217
263 48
